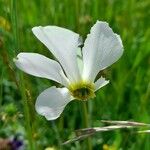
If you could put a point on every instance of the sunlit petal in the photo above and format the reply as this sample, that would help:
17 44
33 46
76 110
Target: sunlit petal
40 66
51 102
100 83
80 60
63 44
101 49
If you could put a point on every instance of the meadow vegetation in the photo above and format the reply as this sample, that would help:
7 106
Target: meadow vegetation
126 97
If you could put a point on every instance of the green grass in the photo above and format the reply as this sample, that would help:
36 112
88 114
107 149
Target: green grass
127 97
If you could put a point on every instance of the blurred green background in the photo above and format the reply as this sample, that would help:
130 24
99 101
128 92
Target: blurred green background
127 97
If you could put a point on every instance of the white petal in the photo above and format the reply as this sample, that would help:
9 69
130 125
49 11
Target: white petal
40 66
51 102
80 60
63 44
100 83
101 49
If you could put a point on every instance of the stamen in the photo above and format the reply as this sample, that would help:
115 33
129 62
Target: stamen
82 90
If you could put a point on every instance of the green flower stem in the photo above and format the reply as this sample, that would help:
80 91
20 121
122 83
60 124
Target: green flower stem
86 124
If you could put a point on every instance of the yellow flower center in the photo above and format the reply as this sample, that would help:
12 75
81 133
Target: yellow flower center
82 90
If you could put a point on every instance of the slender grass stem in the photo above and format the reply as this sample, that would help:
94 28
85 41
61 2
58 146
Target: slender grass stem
14 25
26 113
57 135
21 83
1 87
86 124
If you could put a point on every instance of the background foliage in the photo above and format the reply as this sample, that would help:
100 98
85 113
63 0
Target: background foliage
127 97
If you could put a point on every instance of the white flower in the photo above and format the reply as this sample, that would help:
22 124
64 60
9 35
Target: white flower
77 74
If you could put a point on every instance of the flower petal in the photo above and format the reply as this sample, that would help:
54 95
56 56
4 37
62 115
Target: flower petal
63 44
100 83
101 49
51 102
80 60
40 66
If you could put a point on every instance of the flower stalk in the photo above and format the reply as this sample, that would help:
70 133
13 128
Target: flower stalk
86 125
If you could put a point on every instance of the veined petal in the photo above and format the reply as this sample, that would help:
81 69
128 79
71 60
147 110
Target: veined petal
101 49
80 60
40 66
100 83
63 44
51 102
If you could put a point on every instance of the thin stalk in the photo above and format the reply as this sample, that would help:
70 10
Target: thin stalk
1 87
21 83
14 25
57 135
26 113
86 124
